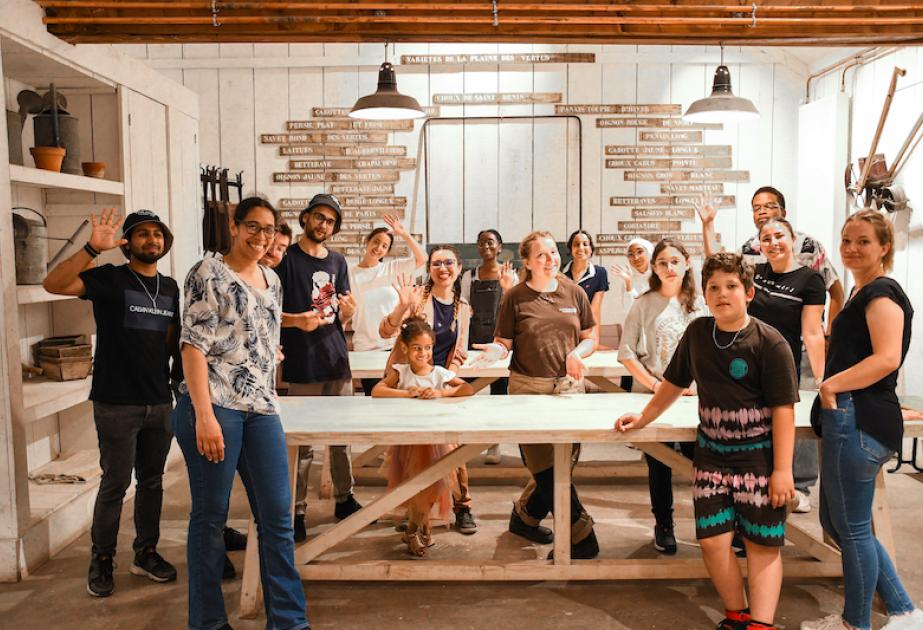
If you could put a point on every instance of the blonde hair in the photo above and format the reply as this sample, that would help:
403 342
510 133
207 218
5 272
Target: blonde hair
884 232
525 248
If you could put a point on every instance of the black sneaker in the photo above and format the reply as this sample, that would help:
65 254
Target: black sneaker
99 578
346 508
664 539
464 522
228 572
539 534
730 624
301 532
586 549
150 564
234 540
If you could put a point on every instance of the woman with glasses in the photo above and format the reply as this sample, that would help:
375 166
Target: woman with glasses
227 420
440 303
653 328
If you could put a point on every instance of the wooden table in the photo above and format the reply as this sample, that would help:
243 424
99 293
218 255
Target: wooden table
477 421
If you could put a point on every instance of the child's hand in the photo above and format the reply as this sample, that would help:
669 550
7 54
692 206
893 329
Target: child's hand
781 487
414 392
627 422
429 393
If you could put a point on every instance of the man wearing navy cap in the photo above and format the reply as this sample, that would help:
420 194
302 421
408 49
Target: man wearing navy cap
136 309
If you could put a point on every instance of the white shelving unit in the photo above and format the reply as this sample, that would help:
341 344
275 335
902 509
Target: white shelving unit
35 294
39 178
42 397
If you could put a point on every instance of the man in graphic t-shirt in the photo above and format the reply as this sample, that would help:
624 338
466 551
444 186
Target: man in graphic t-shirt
316 304
136 309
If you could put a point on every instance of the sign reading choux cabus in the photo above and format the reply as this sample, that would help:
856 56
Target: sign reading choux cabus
498 98
493 59
672 163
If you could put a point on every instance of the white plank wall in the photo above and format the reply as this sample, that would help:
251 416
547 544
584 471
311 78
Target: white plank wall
513 175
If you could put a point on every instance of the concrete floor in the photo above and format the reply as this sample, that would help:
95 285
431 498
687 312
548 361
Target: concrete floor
55 596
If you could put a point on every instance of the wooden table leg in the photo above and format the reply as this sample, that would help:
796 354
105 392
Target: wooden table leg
881 516
325 487
562 463
481 382
368 456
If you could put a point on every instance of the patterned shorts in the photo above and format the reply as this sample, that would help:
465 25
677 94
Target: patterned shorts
731 491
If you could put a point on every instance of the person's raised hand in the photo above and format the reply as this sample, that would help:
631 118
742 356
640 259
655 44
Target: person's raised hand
105 234
409 293
508 278
394 224
705 209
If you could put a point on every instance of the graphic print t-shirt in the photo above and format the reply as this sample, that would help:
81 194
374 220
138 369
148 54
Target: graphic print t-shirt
312 284
132 361
737 386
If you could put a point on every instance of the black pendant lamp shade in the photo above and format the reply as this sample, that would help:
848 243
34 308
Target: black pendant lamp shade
721 106
387 103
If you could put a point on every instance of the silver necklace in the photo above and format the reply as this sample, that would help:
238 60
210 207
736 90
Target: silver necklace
153 298
714 334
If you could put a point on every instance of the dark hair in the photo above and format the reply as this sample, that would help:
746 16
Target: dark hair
688 292
772 191
456 287
884 232
380 230
286 230
248 204
570 240
728 262
490 231
413 327
780 221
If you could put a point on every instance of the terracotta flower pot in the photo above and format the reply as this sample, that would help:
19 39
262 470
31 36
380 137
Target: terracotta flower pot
94 169
48 158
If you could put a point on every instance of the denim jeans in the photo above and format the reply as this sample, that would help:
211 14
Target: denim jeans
254 446
131 437
851 461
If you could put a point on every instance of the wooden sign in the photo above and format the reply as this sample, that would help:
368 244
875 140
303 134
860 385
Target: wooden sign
357 226
674 163
344 124
332 176
641 201
492 59
691 188
343 112
372 213
671 123
673 137
401 164
335 137
662 213
326 150
361 189
685 176
500 98
719 201
667 110
705 150
625 237
649 226
622 250
357 251
347 238
346 202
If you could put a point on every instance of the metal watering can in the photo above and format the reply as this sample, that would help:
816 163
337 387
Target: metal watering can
30 244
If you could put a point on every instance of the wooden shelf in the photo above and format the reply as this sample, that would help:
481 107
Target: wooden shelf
36 294
39 178
42 397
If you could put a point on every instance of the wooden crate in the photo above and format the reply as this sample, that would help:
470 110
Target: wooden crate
66 368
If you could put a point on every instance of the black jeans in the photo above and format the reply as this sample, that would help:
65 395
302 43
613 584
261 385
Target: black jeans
660 484
131 437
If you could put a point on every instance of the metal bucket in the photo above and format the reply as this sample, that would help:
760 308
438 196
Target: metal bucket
70 138
14 136
30 245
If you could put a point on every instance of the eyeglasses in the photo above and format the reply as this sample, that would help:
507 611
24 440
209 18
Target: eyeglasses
766 206
252 227
448 263
318 217
666 264
638 253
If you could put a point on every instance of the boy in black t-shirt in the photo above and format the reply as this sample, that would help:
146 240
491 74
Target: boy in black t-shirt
743 456
137 330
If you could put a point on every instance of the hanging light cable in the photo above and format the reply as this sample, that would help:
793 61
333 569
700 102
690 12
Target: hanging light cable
387 103
721 106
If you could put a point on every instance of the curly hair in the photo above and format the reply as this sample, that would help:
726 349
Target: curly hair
688 292
415 326
728 262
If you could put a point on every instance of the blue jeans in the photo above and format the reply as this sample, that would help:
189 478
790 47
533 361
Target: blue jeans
254 446
851 461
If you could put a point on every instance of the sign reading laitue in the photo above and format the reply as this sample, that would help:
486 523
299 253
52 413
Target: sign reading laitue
365 125
519 58
671 137
345 202
705 150
672 123
685 176
497 98
341 112
401 164
675 163
361 189
334 137
666 110
332 176
326 150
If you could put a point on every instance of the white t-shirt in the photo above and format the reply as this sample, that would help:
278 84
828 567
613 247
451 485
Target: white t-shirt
438 378
375 298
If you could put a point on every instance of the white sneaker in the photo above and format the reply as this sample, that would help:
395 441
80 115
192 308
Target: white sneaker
802 503
492 456
908 621
830 622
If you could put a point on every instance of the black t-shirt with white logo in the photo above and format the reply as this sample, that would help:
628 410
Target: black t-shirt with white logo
133 314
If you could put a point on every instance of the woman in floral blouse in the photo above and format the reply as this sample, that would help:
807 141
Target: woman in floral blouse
227 420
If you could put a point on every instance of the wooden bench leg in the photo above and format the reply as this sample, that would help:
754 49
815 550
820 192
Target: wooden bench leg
881 516
325 487
368 456
562 464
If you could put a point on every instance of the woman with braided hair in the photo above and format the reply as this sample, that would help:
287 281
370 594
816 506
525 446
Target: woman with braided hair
440 303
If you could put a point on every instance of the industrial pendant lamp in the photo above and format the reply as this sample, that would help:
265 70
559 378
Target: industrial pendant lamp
386 103
721 106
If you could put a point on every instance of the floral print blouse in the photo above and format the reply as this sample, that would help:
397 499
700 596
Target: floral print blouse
237 328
